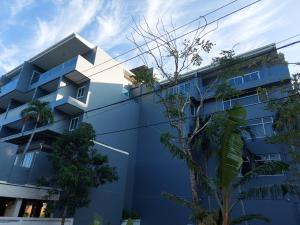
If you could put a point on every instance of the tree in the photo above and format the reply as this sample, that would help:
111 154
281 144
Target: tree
38 112
172 61
173 56
78 167
287 121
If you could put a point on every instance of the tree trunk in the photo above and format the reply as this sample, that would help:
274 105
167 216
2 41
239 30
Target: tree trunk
225 211
30 139
193 181
64 215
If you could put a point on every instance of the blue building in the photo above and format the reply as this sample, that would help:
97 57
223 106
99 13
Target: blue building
82 83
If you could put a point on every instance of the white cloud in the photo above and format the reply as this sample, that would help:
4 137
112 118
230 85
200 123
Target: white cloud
111 25
19 5
70 18
8 56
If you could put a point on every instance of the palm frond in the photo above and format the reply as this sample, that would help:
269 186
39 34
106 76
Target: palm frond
178 200
274 191
250 217
274 167
231 146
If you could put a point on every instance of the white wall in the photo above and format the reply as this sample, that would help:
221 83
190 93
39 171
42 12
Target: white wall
33 221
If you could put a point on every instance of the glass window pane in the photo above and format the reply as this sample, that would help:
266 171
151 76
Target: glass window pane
181 88
231 82
267 119
247 78
254 121
274 157
254 76
238 80
269 129
248 100
257 130
187 87
28 159
226 104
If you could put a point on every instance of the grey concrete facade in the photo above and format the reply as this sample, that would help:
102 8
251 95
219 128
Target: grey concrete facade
149 169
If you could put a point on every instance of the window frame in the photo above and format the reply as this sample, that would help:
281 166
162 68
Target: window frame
263 123
71 128
265 160
32 76
79 92
27 160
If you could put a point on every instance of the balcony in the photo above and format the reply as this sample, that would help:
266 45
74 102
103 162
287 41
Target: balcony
71 69
33 221
9 87
266 76
14 114
69 105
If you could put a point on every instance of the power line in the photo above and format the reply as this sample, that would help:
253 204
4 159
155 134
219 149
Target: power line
289 38
220 18
178 28
135 97
164 88
168 122
183 35
192 31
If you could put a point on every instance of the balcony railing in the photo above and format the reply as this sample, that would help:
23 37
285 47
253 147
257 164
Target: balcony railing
14 114
33 221
5 89
62 69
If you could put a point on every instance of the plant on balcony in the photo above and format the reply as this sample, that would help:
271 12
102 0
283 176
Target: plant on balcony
38 112
78 167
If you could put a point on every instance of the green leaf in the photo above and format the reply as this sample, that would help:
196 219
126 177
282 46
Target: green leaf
266 168
274 191
250 217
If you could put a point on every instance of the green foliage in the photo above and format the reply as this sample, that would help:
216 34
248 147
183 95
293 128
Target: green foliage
250 217
274 191
78 167
38 111
98 220
269 168
126 214
225 91
143 77
129 222
231 146
198 213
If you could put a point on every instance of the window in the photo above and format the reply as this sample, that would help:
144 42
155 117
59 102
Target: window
35 77
193 110
27 161
17 160
260 160
73 123
80 92
260 128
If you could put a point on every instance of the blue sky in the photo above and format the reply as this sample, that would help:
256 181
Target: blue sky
29 26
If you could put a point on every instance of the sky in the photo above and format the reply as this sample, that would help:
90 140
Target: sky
29 26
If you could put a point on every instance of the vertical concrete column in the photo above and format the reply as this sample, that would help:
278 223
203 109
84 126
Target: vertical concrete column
14 209
8 107
34 94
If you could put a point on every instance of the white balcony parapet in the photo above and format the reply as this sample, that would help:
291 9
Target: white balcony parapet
33 221
26 191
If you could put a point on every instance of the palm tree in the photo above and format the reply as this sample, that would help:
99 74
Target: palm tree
227 137
224 136
39 112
